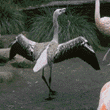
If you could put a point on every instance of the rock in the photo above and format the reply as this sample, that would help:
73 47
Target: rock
6 76
4 52
4 58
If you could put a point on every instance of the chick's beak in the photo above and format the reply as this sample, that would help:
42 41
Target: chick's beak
63 10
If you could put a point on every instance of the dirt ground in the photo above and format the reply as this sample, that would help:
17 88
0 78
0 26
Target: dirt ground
77 84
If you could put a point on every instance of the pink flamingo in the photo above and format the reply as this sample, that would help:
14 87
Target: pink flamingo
104 102
103 24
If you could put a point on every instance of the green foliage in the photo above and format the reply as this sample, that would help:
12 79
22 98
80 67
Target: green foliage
11 20
1 44
70 26
3 60
41 26
21 65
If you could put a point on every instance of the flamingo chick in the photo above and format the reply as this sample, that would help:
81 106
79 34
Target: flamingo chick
52 52
47 56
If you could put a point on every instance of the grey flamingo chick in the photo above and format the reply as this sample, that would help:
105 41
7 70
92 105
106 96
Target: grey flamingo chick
47 56
78 47
53 52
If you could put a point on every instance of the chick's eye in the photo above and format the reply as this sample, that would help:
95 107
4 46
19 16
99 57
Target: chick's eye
88 43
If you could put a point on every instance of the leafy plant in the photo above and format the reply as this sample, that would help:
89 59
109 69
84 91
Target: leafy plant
70 26
1 44
3 60
11 20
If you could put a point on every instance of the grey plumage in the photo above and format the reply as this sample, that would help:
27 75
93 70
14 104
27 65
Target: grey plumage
52 48
53 52
27 48
78 47
67 46
66 49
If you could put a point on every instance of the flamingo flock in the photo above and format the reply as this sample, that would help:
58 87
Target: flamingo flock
53 52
